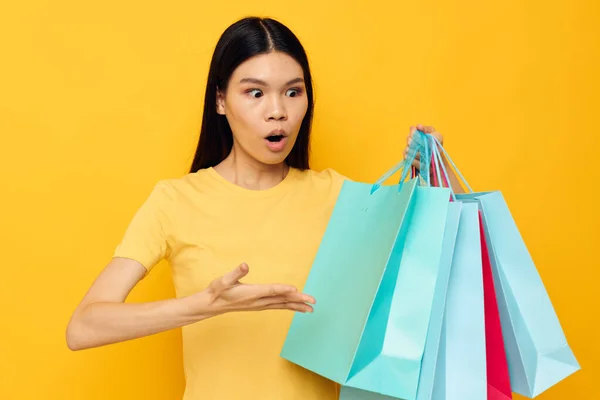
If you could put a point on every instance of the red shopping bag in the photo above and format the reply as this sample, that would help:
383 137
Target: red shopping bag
498 379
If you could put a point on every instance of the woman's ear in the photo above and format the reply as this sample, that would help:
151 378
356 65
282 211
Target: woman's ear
220 102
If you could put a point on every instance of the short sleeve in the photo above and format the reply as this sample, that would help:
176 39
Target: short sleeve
145 239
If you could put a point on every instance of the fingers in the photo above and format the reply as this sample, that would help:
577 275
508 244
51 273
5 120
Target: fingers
228 280
407 154
290 293
409 140
291 299
275 290
425 129
413 130
301 307
294 297
257 291
431 130
231 278
411 133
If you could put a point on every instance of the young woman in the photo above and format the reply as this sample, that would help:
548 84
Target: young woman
250 201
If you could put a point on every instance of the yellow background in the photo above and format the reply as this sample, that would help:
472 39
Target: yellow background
98 101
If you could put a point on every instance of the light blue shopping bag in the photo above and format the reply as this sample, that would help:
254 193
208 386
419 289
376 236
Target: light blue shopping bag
537 351
461 364
374 279
430 356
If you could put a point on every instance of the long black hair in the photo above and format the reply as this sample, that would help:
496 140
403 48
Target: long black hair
242 40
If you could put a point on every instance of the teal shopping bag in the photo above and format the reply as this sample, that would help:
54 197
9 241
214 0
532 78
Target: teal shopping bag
536 348
429 366
374 279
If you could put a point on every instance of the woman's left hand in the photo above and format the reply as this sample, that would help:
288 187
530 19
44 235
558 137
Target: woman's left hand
425 129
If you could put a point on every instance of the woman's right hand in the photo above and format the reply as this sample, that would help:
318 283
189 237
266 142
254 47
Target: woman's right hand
228 294
102 317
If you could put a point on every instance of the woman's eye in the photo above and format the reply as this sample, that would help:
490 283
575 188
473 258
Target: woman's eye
293 92
255 93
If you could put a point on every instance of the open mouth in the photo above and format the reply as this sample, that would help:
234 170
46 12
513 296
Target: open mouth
276 141
275 138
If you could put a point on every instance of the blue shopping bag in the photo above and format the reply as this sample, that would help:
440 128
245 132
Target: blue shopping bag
374 279
537 351
434 331
461 363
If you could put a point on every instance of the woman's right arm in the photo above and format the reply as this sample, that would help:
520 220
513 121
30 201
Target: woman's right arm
103 317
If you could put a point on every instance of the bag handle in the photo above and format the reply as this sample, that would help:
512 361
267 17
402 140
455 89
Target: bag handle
420 146
436 146
435 166
440 163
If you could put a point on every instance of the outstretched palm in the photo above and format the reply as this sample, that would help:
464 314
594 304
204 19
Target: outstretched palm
227 294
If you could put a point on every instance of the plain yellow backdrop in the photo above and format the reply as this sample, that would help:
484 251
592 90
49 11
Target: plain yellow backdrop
98 101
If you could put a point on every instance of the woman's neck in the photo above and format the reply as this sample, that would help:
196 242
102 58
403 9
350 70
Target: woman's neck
250 173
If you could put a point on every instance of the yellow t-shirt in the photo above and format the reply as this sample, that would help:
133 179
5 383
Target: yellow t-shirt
205 226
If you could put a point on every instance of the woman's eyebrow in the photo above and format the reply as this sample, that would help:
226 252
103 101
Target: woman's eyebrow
263 83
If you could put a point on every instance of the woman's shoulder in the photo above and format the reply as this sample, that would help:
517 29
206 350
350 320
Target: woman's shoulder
177 188
324 176
191 180
328 180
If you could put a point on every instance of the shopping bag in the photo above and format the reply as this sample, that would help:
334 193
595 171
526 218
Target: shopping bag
374 279
461 364
536 348
432 342
498 379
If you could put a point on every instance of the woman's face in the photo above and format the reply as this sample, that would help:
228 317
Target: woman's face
264 104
